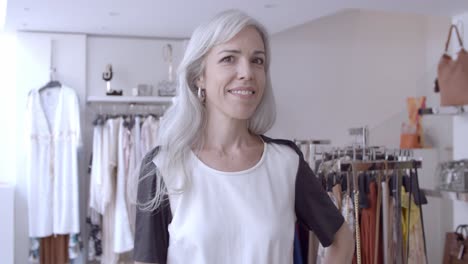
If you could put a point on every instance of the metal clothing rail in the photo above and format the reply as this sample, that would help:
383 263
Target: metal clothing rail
359 166
312 142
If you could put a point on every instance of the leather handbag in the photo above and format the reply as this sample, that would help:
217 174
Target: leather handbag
452 75
456 246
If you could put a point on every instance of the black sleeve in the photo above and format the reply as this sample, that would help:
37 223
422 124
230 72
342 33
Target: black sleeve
314 207
151 227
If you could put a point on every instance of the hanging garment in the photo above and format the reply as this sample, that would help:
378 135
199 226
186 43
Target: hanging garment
123 237
386 222
54 249
34 245
134 163
95 235
368 227
110 157
313 248
297 249
96 178
391 231
53 129
149 135
108 218
416 243
322 250
347 210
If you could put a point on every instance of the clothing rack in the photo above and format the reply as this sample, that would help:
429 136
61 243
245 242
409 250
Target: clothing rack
349 165
360 166
356 167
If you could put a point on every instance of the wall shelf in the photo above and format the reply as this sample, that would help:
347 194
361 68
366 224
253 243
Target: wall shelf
444 110
451 195
157 100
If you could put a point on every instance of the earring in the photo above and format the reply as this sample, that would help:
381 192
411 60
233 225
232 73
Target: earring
199 93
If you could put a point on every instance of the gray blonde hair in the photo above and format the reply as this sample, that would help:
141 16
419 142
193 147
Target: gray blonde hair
183 122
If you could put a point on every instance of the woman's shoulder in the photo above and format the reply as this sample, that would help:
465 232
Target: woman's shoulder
147 163
289 144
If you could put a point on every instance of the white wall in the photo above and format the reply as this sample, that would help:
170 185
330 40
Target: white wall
7 143
356 68
351 69
7 223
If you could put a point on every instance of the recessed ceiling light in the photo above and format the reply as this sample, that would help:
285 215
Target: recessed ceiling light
26 9
270 5
113 14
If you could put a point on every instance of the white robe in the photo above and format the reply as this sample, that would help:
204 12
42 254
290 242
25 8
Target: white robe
53 129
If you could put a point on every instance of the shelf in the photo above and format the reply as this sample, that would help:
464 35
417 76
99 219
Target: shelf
130 99
451 195
444 110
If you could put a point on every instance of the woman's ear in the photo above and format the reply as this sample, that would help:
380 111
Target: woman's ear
200 82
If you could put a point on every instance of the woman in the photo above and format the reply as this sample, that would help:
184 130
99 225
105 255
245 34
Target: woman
216 190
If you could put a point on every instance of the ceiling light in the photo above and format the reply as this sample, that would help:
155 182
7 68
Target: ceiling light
269 5
26 9
113 14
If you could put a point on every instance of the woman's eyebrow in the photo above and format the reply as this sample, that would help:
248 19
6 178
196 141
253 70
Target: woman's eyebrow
229 51
259 52
238 51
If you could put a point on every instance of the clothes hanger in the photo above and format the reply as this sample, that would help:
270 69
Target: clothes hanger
52 82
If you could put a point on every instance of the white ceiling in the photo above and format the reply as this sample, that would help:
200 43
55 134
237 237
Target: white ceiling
178 18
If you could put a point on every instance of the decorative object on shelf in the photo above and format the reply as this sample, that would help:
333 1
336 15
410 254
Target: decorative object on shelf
412 134
145 90
453 175
452 77
168 87
107 76
445 110
360 136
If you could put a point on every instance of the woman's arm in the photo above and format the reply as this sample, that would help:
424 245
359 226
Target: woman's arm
342 248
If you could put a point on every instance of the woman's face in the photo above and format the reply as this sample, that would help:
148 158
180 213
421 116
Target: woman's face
234 75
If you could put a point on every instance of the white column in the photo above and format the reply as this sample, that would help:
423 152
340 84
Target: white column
460 132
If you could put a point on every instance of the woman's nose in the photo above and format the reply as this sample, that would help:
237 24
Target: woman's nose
244 70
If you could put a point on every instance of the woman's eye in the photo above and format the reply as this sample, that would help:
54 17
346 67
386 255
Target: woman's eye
228 59
259 61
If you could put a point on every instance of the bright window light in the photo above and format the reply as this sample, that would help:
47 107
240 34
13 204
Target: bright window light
3 8
8 107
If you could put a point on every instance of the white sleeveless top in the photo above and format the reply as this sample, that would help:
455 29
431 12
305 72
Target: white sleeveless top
237 217
244 217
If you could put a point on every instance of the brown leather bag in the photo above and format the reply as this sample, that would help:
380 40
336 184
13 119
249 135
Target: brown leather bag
456 246
453 75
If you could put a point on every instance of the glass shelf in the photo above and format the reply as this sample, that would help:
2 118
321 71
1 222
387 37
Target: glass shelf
115 99
444 110
451 195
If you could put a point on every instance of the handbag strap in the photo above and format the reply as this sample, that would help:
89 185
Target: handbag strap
462 229
460 41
